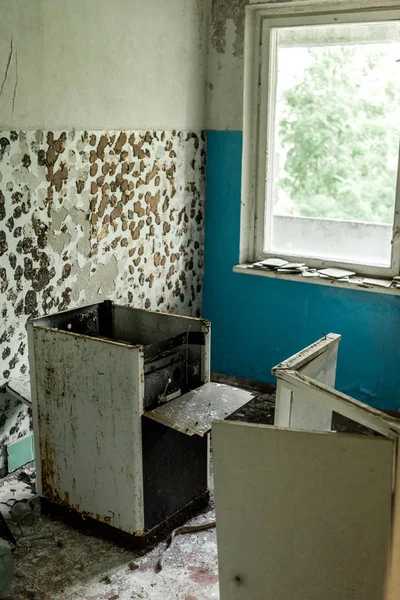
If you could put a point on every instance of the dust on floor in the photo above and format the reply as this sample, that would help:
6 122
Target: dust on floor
56 562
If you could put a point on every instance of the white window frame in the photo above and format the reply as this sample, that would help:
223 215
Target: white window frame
257 123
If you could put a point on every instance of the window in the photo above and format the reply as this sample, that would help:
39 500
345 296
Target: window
322 136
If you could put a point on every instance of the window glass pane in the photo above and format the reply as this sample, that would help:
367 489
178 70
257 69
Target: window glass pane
335 142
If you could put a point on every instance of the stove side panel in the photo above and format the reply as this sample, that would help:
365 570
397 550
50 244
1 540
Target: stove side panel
87 402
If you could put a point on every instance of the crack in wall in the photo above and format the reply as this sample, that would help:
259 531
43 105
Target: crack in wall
16 83
7 66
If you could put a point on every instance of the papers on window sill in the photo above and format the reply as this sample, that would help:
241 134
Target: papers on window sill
381 282
336 273
279 265
283 267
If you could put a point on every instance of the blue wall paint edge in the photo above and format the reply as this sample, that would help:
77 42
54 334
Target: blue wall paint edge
257 321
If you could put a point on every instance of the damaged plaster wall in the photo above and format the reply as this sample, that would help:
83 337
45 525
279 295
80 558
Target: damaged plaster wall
225 64
86 216
102 157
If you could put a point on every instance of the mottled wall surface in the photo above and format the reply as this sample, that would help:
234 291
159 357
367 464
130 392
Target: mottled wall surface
90 215
223 11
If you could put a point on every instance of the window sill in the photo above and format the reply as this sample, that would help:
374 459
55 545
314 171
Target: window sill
246 269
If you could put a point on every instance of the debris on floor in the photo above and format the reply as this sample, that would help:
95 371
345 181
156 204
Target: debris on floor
7 566
55 562
181 530
261 410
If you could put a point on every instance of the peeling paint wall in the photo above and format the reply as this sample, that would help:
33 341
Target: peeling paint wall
102 157
90 215
225 64
223 11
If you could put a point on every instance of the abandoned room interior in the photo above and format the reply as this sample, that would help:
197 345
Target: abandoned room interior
199 299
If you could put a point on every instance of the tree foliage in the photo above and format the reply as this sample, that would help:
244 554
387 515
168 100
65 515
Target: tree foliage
340 137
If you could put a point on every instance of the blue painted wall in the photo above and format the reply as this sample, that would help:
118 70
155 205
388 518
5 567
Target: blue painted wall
257 321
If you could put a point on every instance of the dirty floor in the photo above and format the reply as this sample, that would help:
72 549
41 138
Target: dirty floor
55 562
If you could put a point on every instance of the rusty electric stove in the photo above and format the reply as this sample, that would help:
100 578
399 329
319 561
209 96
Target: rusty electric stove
123 406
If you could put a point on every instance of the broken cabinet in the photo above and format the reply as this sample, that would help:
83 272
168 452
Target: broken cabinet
304 512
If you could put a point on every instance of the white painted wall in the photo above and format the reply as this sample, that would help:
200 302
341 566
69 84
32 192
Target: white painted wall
90 64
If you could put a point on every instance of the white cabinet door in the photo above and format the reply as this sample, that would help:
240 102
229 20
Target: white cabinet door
317 361
301 515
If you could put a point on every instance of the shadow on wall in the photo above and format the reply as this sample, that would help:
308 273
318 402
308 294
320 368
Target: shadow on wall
257 322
